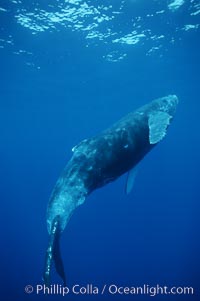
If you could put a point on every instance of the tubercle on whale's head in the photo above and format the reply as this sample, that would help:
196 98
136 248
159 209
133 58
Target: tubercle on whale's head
62 223
63 215
60 206
63 202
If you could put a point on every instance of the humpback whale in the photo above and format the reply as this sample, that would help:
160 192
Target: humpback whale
99 160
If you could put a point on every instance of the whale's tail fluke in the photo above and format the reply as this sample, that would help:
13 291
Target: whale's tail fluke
53 253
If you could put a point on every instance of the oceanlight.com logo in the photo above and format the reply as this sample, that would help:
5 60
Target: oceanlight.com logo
109 289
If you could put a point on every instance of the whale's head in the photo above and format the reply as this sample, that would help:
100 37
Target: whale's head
60 206
65 198
69 193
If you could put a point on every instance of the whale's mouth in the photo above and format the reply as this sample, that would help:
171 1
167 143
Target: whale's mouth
53 253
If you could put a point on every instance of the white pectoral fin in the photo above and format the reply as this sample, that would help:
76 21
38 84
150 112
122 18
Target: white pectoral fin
158 122
131 179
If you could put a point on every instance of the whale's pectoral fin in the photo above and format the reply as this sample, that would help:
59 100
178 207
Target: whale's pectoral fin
58 259
158 122
53 253
131 179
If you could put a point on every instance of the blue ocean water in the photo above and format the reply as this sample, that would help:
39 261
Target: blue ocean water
70 69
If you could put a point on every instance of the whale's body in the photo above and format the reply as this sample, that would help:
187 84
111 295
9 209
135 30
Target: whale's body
102 159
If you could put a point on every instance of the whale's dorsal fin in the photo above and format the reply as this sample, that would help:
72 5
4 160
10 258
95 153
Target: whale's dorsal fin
158 122
131 179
